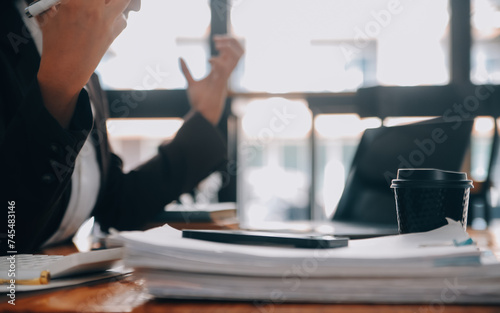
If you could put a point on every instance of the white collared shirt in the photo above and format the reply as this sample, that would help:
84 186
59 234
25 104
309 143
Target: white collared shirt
85 181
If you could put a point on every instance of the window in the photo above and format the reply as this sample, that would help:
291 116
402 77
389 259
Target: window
322 46
274 163
295 48
146 55
481 145
137 140
334 46
337 136
485 59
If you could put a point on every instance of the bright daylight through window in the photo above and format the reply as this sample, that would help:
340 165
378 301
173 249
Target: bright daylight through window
298 47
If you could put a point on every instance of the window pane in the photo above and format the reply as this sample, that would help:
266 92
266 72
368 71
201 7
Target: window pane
136 140
338 136
481 145
273 159
324 45
146 55
485 63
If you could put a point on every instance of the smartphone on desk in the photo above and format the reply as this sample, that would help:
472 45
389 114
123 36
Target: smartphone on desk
267 238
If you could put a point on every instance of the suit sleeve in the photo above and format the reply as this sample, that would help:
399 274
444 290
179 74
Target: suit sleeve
36 157
134 198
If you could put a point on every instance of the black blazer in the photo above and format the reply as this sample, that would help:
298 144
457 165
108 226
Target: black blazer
37 155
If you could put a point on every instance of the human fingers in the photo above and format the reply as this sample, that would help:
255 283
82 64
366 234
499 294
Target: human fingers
50 13
217 66
227 59
220 71
186 72
234 45
225 39
230 51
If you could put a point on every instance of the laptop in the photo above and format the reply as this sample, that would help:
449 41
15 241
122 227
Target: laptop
367 207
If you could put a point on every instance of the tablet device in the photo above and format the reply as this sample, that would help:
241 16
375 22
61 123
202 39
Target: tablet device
267 238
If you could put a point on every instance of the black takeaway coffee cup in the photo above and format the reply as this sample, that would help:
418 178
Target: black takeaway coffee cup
426 197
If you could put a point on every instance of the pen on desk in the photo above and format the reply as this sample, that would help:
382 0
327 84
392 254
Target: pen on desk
40 6
44 279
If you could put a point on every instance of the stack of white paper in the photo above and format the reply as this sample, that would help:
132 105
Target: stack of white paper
407 268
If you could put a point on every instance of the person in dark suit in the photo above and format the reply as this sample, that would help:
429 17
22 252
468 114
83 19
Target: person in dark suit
56 166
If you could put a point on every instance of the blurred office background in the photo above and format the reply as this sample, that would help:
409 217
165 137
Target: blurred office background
293 121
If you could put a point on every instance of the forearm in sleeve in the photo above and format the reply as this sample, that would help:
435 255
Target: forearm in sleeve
135 198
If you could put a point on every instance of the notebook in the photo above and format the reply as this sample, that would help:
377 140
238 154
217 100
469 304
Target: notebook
37 269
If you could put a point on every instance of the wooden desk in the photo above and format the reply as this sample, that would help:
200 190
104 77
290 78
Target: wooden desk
129 295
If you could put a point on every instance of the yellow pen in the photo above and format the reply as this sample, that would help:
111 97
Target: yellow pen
44 279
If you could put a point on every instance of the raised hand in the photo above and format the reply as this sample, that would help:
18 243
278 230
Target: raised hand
208 95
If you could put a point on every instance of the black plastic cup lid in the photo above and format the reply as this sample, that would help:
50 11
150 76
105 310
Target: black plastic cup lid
429 177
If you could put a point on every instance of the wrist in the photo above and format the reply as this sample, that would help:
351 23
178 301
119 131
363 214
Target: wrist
58 98
211 108
59 77
212 119
211 116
